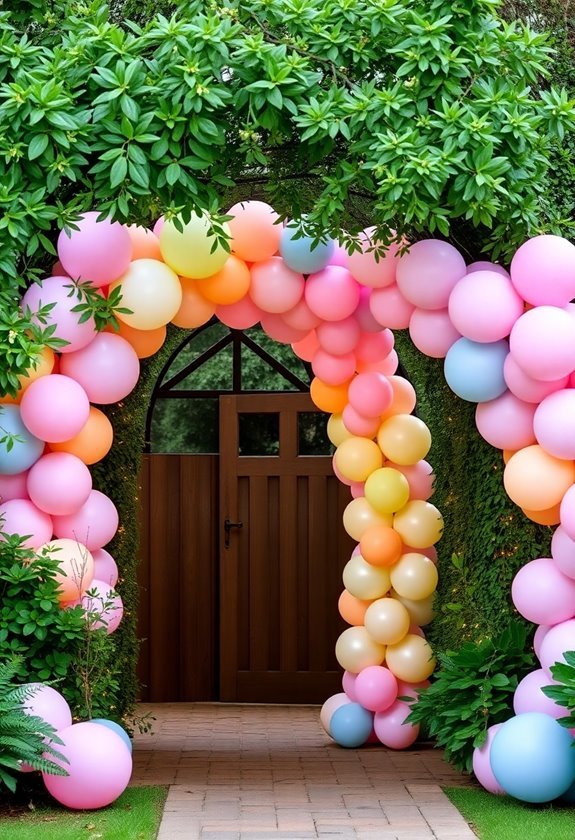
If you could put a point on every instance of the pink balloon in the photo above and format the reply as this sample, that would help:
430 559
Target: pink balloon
563 552
13 486
506 422
276 327
550 257
370 394
93 525
98 252
557 640
48 704
359 425
428 272
275 287
484 305
301 317
420 477
527 388
330 706
307 347
485 265
366 269
104 601
542 342
158 225
528 696
332 294
376 688
56 290
387 366
108 368
432 332
363 312
59 483
54 408
540 634
339 256
554 424
482 765
333 370
240 315
348 685
338 337
430 552
390 308
357 489
105 568
373 347
391 729
406 689
543 594
21 516
567 512
99 767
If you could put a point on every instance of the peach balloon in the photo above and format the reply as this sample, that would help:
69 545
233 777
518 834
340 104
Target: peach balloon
535 480
152 291
356 650
420 612
411 659
352 609
387 621
381 546
307 347
144 342
194 309
419 524
329 398
44 366
551 516
75 567
357 457
255 230
145 243
404 398
414 576
359 516
229 285
404 439
364 581
93 441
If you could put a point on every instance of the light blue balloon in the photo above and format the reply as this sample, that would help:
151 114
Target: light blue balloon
299 255
351 725
532 757
474 371
115 727
26 449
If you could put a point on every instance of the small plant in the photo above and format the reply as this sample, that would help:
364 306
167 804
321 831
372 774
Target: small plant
564 693
24 738
473 689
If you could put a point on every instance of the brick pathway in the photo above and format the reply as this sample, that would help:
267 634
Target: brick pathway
257 772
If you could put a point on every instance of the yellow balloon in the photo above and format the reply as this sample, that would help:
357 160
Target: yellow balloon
358 457
336 430
189 252
414 576
387 621
359 516
364 581
419 524
387 490
356 650
404 439
153 293
411 659
420 612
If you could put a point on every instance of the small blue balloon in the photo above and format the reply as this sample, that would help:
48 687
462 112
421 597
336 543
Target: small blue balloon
115 727
474 371
351 725
25 449
532 757
299 255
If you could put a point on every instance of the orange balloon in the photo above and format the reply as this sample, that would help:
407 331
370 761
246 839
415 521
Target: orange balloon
535 480
551 516
404 397
145 243
381 546
195 309
44 366
93 441
507 454
255 234
330 398
144 342
352 609
229 284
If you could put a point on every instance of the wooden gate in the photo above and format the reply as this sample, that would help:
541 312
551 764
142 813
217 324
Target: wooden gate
242 612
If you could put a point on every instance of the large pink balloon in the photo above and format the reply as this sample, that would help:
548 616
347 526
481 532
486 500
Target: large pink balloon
374 347
366 269
485 265
13 486
56 291
363 312
528 696
307 347
506 422
391 729
94 524
428 272
275 287
557 640
432 332
482 765
359 425
543 594
55 408
348 685
554 424
332 294
104 605
98 252
376 688
275 326
390 308
99 767
334 370
370 394
542 342
538 637
59 483
567 512
527 388
338 337
549 257
240 315
301 317
47 703
483 306
108 368
105 568
21 516
563 552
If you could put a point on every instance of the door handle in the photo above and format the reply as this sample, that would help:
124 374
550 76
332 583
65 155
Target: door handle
228 525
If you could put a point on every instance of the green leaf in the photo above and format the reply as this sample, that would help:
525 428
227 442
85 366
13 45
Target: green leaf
118 171
38 146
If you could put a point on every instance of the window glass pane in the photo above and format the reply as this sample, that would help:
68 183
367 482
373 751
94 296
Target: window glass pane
257 375
199 344
259 434
185 426
312 434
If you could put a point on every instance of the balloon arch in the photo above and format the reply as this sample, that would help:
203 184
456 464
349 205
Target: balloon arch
508 340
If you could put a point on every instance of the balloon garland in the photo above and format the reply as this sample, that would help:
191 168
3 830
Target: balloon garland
508 340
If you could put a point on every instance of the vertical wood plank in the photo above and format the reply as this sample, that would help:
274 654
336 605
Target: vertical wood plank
317 570
259 527
143 574
289 618
229 557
